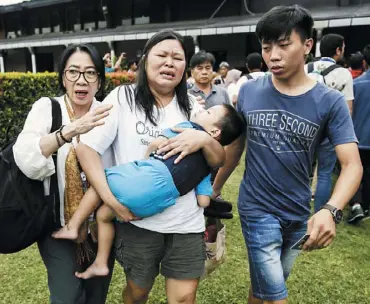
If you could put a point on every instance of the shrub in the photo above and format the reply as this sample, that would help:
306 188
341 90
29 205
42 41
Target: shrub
18 91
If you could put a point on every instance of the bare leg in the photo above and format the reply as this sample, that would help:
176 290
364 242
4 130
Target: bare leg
181 291
253 300
134 294
104 218
88 205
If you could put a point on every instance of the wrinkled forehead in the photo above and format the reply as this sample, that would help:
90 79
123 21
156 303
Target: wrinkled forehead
171 46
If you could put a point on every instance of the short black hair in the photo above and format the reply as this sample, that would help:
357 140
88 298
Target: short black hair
366 53
231 125
329 44
254 61
279 22
356 60
131 62
202 57
95 57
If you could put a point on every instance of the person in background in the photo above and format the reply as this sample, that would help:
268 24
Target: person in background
132 66
254 65
223 69
357 64
332 49
108 63
361 122
230 84
208 94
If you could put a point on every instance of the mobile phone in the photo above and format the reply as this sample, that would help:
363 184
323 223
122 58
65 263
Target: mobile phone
298 245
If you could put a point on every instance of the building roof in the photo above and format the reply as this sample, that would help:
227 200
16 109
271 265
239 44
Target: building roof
324 17
30 4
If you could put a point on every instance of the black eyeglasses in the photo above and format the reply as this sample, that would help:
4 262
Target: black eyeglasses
90 76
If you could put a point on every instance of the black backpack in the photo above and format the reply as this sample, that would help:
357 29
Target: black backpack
26 214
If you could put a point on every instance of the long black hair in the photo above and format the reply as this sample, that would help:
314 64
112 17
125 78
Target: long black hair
144 98
95 57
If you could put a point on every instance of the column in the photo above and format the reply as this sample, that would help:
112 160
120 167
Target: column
112 52
196 44
318 42
33 59
2 65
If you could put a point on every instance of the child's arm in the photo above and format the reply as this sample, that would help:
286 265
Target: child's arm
153 146
204 191
203 200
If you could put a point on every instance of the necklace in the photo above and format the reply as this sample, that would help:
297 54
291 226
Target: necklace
69 110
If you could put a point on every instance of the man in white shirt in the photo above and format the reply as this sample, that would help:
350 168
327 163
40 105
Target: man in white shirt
254 65
327 71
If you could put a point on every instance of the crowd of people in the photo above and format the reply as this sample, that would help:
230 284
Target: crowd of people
139 149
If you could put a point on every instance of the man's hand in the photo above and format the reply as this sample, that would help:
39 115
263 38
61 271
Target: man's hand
321 228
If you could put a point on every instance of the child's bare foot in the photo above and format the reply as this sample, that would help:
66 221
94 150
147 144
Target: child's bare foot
93 271
66 233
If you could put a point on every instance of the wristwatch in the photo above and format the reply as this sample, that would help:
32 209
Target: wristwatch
335 212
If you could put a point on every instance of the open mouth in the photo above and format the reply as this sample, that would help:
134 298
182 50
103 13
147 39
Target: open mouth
168 75
81 93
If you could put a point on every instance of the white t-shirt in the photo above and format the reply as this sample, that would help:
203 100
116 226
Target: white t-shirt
244 79
339 79
128 133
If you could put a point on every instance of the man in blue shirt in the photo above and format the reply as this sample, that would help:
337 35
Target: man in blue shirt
287 115
361 122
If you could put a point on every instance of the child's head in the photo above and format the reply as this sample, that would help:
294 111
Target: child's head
222 122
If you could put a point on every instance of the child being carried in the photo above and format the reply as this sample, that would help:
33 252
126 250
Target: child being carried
160 182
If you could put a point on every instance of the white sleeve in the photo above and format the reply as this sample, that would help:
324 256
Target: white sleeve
348 85
26 150
101 138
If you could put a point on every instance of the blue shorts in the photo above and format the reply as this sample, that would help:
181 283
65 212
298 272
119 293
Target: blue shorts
145 187
268 241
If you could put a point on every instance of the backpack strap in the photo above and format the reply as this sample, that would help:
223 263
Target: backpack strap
56 114
249 77
310 67
54 189
330 69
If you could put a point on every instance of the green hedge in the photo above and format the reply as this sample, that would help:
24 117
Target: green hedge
18 91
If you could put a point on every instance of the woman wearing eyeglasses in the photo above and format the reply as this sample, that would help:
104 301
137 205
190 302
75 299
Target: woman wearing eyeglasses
81 77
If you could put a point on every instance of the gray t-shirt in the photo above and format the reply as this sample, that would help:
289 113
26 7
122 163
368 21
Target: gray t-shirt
217 96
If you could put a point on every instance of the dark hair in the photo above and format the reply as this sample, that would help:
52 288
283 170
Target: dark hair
95 57
280 21
356 60
202 57
329 44
231 125
254 61
131 62
144 98
366 53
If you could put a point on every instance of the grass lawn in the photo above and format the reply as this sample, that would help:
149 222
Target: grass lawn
339 274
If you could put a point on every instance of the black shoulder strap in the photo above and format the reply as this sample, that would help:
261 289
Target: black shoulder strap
330 69
56 114
54 189
310 67
249 77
